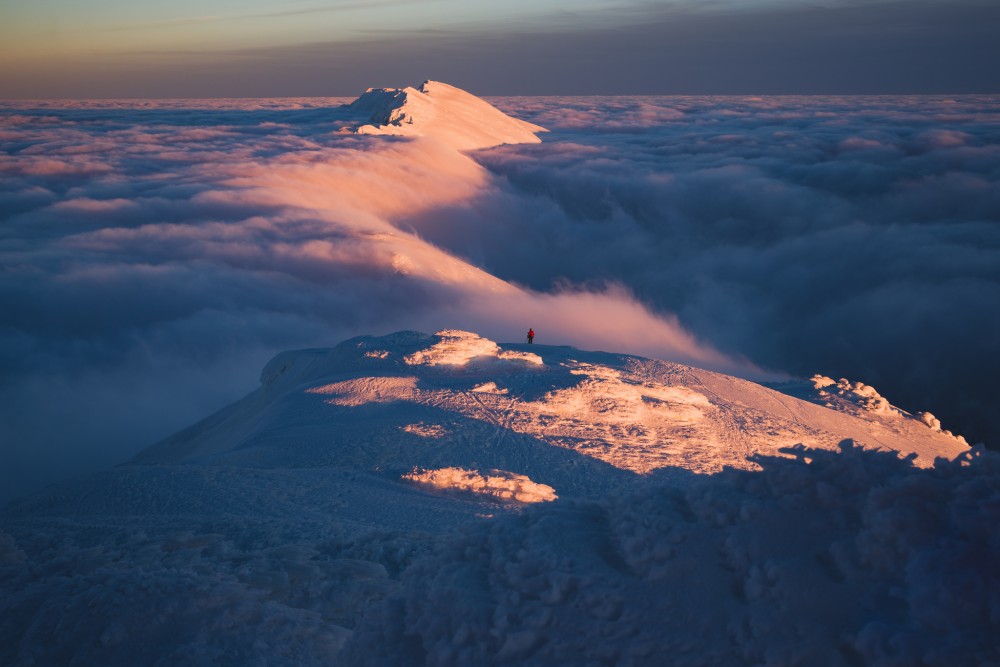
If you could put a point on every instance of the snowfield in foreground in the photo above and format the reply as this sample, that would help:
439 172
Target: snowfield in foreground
445 500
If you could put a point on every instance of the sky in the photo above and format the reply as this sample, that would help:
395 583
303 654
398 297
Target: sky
255 48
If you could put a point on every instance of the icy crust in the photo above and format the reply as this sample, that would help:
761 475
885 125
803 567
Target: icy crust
356 354
834 558
444 113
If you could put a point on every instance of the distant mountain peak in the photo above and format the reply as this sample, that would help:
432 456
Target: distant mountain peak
442 112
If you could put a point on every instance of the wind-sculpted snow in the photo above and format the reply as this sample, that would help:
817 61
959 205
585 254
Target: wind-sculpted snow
460 348
829 558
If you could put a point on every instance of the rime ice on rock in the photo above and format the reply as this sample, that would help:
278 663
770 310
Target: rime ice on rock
858 393
841 394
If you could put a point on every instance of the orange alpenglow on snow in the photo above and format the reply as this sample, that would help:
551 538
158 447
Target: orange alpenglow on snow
445 113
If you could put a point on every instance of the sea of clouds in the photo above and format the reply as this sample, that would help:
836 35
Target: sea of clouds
156 254
856 236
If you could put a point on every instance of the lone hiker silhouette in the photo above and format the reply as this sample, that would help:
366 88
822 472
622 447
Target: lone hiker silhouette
531 336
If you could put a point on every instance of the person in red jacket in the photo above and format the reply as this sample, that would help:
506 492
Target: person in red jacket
531 336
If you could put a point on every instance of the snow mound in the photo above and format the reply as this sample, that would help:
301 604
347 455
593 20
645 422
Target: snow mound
444 113
496 485
460 348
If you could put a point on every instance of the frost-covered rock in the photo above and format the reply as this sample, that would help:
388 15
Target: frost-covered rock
861 398
930 420
859 393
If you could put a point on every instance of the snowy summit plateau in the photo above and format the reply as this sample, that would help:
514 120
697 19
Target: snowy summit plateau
447 499
574 421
